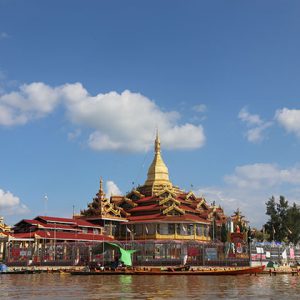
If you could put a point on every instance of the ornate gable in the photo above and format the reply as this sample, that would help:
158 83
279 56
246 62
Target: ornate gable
102 206
169 199
135 195
165 192
202 205
173 208
190 196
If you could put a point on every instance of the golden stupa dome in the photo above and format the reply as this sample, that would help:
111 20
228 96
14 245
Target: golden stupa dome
158 173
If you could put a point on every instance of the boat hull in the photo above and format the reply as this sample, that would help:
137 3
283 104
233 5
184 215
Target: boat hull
211 272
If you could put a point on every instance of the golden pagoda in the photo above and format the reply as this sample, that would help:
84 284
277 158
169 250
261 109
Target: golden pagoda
158 175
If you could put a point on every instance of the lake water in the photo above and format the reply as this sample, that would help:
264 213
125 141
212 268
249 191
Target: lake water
56 286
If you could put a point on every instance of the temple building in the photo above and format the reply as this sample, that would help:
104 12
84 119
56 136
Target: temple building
102 211
46 240
164 222
160 220
158 210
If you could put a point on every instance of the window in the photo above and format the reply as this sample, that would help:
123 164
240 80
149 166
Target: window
200 229
182 229
190 229
138 229
163 229
150 229
84 230
171 228
95 231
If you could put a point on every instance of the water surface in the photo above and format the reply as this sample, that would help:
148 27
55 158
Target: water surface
56 286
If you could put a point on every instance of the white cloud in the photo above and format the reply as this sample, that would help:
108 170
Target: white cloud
263 175
200 108
250 186
116 121
112 189
248 118
256 125
32 101
256 134
11 204
289 119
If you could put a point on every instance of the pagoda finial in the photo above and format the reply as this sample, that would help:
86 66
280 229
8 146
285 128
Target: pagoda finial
158 174
157 142
101 184
101 193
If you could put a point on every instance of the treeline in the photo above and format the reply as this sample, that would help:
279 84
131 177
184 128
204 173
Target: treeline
284 221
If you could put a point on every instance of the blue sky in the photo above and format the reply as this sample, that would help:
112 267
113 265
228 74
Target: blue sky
84 84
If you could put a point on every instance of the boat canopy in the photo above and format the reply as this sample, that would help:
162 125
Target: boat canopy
125 255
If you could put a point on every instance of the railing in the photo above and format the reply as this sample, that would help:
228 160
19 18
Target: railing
160 236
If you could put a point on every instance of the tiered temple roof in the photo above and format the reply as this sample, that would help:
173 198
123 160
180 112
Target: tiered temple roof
158 200
103 208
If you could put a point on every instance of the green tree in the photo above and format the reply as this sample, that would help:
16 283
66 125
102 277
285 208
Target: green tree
272 225
282 209
284 220
293 224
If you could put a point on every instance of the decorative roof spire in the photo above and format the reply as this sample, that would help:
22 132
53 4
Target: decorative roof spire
101 194
157 143
158 173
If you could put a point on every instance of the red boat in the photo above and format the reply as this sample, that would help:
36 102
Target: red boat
210 271
170 271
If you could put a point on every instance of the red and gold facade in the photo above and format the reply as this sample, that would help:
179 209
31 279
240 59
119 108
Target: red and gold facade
161 219
158 210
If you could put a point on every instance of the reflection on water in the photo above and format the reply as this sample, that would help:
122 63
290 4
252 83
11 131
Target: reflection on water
55 286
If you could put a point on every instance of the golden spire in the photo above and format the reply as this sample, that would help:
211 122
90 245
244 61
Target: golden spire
157 143
101 194
158 173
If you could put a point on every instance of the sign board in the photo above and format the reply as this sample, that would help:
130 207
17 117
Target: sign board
211 253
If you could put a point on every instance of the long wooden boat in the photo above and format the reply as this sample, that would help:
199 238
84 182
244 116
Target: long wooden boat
210 271
20 272
170 271
106 272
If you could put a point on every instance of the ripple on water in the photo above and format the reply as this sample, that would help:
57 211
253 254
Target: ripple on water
55 286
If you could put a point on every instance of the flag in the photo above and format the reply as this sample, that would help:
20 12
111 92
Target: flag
284 255
128 230
259 250
48 233
146 229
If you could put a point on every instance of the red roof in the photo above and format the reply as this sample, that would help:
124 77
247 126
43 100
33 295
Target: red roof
31 222
57 225
56 219
23 235
63 236
143 218
187 208
85 223
145 199
50 226
145 208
